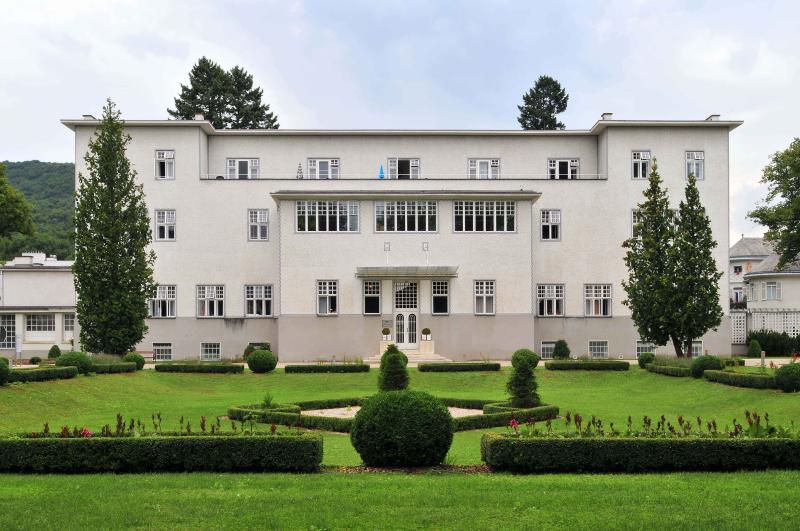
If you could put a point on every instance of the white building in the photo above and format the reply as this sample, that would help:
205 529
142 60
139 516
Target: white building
315 241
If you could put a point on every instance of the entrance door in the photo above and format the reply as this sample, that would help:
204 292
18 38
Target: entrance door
406 314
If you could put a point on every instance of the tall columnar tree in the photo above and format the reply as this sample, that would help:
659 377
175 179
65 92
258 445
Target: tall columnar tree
541 104
694 303
113 269
15 211
245 106
780 212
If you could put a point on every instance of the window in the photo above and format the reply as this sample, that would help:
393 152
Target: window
403 168
551 225
162 351
43 322
405 216
484 216
69 322
244 169
550 298
372 297
258 300
440 293
547 349
327 216
210 301
484 297
563 168
258 224
753 292
697 348
327 297
9 324
597 300
323 168
598 349
644 346
737 270
641 164
636 220
165 225
165 164
695 164
772 291
484 168
163 304
210 352
405 295
738 295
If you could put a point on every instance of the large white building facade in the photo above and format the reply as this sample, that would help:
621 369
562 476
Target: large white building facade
317 241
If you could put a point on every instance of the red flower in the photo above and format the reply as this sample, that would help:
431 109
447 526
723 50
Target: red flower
85 432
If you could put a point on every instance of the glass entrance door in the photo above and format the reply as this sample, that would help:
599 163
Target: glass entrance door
406 314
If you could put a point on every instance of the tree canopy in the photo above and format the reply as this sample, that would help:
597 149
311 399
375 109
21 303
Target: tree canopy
541 104
15 210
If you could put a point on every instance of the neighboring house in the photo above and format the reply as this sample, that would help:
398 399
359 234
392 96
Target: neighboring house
773 300
745 254
37 306
317 240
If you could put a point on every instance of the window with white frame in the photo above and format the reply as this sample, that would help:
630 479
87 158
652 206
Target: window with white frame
440 293
165 225
162 351
551 225
327 216
163 303
644 346
737 270
372 297
405 216
484 216
597 300
40 322
697 348
244 169
598 349
753 291
210 301
400 168
695 164
484 168
165 164
640 164
323 168
210 352
9 324
258 300
772 291
550 300
636 220
548 347
327 297
258 224
484 297
69 322
563 168
738 295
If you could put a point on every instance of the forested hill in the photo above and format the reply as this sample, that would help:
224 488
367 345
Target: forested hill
50 187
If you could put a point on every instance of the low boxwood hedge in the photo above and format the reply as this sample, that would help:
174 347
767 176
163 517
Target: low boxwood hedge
200 367
537 455
350 367
589 365
285 418
43 374
112 368
279 453
458 367
494 420
669 370
741 379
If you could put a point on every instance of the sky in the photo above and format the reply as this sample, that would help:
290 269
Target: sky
412 64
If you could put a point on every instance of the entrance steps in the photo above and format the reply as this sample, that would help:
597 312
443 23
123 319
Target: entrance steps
414 358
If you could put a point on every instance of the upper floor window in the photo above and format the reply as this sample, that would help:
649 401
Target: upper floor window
551 224
244 169
69 322
484 216
327 216
372 297
405 216
771 291
165 164
695 164
440 292
327 297
597 300
403 168
41 322
257 224
258 300
211 301
641 164
636 220
9 324
484 168
484 297
323 168
753 291
563 168
737 270
165 225
163 303
550 298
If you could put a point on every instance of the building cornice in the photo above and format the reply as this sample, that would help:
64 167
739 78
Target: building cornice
523 195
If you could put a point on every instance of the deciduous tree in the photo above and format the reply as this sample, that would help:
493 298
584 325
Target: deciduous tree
15 211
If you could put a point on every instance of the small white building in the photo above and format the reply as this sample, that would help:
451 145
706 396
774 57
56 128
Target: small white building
745 255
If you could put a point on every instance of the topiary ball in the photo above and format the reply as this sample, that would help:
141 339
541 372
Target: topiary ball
645 358
35 360
261 361
705 363
402 428
5 371
75 359
524 358
54 352
787 378
134 357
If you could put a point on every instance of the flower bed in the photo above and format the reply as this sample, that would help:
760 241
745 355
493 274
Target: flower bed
200 367
741 379
342 368
43 374
588 365
458 367
669 370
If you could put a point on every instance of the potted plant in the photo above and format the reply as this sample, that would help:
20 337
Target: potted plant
387 334
426 334
426 345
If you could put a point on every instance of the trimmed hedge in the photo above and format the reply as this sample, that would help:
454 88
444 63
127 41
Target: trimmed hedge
112 368
741 379
136 358
75 359
458 367
354 367
285 418
787 378
539 455
645 358
669 370
494 420
296 453
701 364
590 365
200 367
43 374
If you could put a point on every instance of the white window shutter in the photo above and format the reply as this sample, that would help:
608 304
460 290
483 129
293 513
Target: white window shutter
231 168
312 168
392 163
473 169
778 290
334 168
415 168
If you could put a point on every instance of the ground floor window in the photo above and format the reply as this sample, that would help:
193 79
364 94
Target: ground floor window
327 297
162 351
69 322
547 349
42 322
210 352
8 331
697 348
484 297
372 297
644 346
440 290
258 300
598 349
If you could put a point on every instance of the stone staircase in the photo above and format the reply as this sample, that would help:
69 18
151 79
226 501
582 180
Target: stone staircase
414 358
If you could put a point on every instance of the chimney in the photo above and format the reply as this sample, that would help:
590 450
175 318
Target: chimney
713 118
607 116
89 117
199 117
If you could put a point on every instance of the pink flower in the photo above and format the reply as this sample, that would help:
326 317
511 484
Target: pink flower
85 432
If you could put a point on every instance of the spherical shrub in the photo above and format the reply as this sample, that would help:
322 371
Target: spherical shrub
393 374
525 357
54 352
249 349
560 350
705 363
261 361
402 428
754 349
35 360
787 378
645 358
75 359
522 384
5 371
134 357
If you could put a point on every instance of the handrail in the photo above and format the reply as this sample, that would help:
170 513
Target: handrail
222 176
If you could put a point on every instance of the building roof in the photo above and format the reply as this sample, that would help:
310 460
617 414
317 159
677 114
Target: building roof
750 247
769 266
37 261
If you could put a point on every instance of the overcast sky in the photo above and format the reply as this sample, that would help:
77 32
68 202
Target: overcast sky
412 64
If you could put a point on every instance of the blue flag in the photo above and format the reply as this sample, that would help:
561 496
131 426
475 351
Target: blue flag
380 173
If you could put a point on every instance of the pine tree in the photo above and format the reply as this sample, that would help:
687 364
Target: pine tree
113 270
15 210
694 303
541 104
245 107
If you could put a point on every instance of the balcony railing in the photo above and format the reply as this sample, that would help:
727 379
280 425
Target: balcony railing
223 176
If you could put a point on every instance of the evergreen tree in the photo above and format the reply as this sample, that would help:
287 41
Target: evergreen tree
694 303
245 107
15 211
541 104
113 270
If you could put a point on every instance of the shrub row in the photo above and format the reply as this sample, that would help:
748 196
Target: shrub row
200 367
354 367
590 365
43 374
468 403
112 368
327 403
773 343
538 455
493 420
458 367
741 379
669 370
269 416
282 453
